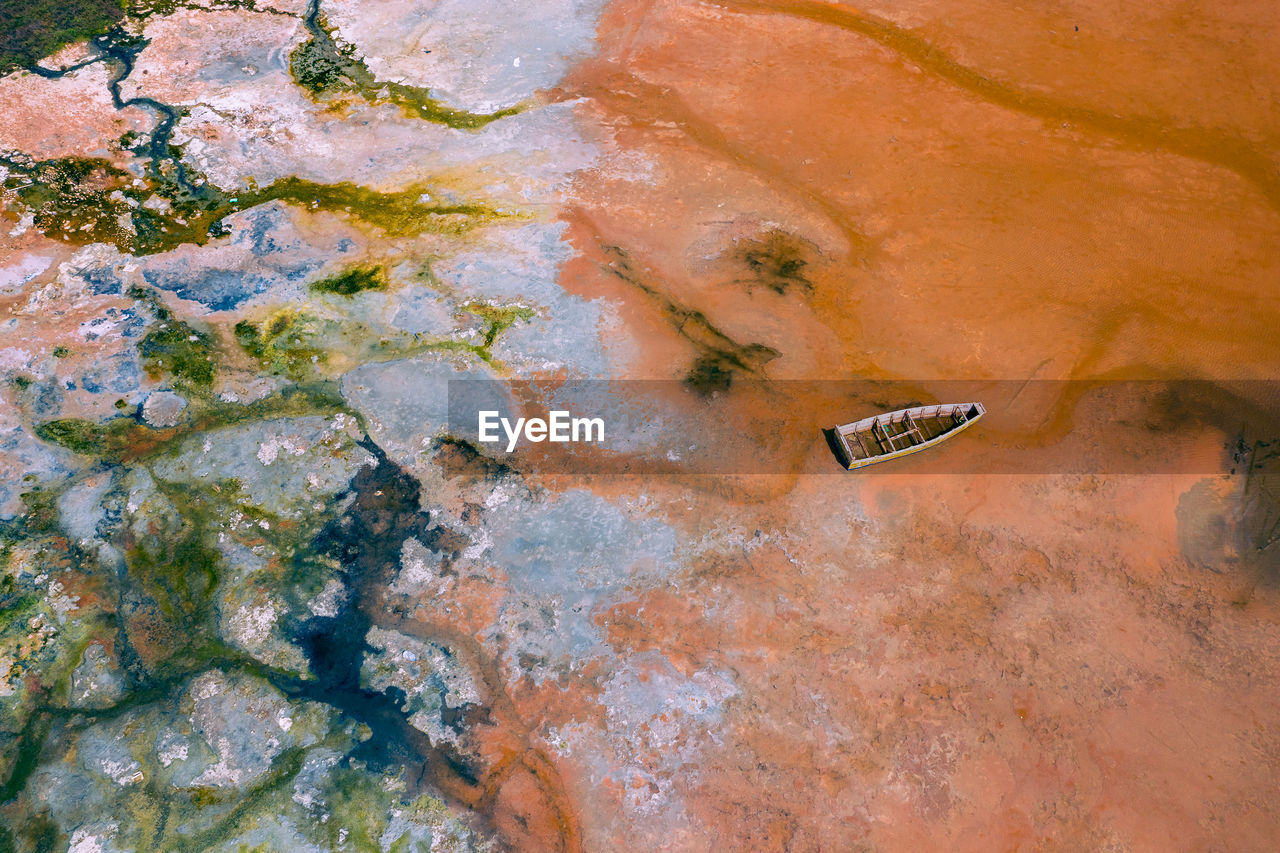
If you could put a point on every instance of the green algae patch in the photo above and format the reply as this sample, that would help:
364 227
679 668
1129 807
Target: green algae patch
302 344
412 210
168 607
349 793
312 398
27 756
284 343
178 350
39 834
75 199
499 319
17 612
352 281
179 573
34 29
284 769
124 439
114 440
81 200
173 570
175 348
40 510
322 68
39 643
326 69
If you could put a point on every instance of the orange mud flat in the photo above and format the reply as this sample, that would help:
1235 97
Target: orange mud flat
806 190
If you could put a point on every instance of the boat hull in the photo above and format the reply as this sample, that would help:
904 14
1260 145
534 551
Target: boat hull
892 435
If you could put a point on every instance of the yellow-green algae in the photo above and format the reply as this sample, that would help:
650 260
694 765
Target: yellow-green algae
172 569
283 343
351 281
176 349
173 563
82 200
126 439
302 342
40 644
412 210
178 568
324 69
500 318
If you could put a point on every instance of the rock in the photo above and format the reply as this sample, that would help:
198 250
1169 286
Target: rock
164 409
436 684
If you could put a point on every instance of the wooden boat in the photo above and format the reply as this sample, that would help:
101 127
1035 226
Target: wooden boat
894 434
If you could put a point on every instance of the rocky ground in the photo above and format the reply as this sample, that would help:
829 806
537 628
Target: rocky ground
256 594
